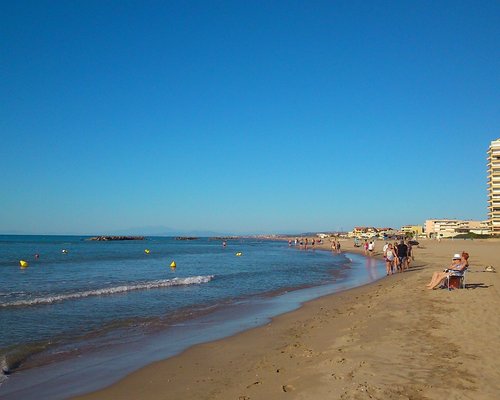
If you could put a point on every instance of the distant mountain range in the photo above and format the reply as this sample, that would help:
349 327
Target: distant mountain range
166 231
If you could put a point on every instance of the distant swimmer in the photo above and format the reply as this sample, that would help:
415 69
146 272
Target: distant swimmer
64 251
224 244
37 256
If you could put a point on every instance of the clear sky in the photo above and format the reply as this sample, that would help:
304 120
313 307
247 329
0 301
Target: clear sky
244 116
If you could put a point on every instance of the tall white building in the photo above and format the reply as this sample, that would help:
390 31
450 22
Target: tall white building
494 187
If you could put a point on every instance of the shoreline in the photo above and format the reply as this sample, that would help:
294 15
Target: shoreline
98 368
389 339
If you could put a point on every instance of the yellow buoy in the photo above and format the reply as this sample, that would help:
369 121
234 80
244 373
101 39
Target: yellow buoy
173 265
238 254
146 251
23 264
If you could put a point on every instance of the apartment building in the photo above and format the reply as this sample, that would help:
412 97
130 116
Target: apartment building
439 228
445 228
494 187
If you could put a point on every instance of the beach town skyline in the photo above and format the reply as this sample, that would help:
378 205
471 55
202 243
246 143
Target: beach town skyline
243 118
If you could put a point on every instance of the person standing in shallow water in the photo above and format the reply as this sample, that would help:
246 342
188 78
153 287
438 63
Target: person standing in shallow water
371 248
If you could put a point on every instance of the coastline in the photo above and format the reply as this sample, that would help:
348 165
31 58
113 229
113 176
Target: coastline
92 370
391 339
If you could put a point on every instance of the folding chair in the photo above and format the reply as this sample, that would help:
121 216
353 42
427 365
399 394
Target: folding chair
456 280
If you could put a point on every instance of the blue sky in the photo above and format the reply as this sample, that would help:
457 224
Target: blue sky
244 116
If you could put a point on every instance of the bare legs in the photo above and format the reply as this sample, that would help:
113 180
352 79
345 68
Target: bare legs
437 279
388 266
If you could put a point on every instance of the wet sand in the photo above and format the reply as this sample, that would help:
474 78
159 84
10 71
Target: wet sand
392 339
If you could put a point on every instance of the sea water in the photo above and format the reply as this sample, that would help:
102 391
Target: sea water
91 300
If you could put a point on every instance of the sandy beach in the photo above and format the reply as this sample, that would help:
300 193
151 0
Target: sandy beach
392 339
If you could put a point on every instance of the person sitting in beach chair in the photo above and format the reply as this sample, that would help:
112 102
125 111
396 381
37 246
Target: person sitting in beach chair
456 279
457 268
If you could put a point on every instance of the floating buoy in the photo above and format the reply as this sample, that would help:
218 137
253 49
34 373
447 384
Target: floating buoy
173 265
146 251
23 264
238 254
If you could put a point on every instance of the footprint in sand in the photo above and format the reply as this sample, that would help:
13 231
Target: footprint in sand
288 388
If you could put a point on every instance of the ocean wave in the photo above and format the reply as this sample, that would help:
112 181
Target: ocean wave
156 284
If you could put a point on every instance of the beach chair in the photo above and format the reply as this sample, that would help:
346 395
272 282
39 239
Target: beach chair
456 280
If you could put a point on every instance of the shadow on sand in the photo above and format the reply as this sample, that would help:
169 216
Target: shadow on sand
476 286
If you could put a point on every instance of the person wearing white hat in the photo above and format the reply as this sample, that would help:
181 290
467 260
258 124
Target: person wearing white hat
459 264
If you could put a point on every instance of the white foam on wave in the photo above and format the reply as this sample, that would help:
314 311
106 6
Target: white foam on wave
161 283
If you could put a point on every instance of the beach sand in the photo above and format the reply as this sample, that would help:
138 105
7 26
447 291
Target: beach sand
392 339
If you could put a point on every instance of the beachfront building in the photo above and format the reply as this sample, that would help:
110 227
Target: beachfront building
363 232
414 230
446 228
478 227
439 228
369 232
494 187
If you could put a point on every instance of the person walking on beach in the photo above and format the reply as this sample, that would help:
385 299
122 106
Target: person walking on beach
397 264
410 257
402 255
390 257
384 249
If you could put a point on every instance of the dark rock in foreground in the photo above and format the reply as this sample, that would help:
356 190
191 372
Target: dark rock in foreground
106 238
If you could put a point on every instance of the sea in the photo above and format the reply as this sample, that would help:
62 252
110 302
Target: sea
84 314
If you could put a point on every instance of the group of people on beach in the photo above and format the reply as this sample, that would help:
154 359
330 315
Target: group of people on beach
459 264
335 246
369 247
303 243
398 256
